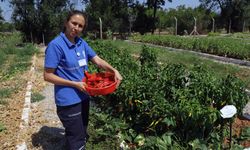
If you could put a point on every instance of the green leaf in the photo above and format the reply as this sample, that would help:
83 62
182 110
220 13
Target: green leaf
167 140
169 121
198 144
140 139
245 133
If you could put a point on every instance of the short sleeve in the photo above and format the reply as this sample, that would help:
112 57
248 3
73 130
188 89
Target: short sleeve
53 56
89 51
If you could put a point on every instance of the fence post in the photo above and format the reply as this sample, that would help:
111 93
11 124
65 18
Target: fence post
243 28
213 24
100 27
176 21
43 40
229 27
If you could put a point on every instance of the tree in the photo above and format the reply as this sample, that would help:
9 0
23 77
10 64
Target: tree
231 11
114 14
35 18
246 16
155 4
50 17
185 18
23 16
6 27
144 21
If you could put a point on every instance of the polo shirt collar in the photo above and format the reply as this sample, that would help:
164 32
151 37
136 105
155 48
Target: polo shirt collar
77 39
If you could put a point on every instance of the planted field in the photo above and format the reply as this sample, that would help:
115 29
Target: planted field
188 60
166 100
228 47
168 105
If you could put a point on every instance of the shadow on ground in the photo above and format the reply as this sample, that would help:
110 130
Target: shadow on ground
49 138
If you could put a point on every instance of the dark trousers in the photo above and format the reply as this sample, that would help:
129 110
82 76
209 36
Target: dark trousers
75 121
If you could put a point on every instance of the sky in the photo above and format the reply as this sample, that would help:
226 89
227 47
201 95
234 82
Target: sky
7 11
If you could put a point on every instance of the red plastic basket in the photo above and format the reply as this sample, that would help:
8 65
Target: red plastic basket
101 83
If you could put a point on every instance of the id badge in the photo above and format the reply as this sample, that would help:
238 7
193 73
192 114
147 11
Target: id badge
82 62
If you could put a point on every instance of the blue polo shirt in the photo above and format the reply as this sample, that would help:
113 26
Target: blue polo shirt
69 61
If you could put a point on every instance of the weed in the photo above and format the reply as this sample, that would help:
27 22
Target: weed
5 92
3 102
2 128
36 97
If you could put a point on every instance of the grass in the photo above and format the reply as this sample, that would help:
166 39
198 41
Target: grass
36 97
3 102
5 93
2 128
189 59
13 65
13 59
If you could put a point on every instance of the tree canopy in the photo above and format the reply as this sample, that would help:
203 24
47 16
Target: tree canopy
1 15
45 18
232 13
39 17
155 4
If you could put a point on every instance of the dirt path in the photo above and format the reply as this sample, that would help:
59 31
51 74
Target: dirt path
45 131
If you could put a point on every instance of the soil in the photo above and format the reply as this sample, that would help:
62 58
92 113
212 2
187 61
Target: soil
44 130
10 113
237 126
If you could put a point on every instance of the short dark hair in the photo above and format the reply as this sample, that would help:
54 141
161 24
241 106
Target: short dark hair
76 12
